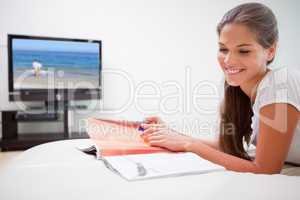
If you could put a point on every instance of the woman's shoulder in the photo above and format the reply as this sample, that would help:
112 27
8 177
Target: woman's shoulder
280 77
281 85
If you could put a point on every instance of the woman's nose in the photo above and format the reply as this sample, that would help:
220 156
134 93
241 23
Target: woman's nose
229 59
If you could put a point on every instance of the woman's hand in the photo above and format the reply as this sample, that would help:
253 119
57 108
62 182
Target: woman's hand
161 136
154 120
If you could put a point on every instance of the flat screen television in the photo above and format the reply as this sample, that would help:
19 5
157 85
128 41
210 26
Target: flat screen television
53 69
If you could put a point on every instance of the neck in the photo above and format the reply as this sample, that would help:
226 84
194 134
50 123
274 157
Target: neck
250 88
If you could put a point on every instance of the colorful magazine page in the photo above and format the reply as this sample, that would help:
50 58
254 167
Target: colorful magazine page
118 137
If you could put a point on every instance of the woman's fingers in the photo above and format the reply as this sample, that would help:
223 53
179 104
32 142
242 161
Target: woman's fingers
150 130
146 126
157 135
156 142
155 138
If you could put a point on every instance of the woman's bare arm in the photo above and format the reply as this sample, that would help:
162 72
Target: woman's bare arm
277 125
213 143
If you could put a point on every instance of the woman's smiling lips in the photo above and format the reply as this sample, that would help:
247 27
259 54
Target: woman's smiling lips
233 71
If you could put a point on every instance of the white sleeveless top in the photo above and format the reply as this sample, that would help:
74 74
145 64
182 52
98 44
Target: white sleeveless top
279 86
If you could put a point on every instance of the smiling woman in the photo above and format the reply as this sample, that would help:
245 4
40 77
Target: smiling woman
247 36
260 105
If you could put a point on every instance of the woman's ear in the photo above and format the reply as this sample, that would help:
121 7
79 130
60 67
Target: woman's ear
271 52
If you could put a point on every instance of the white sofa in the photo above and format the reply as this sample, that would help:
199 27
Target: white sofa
58 170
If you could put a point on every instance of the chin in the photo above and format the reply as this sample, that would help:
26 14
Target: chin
233 83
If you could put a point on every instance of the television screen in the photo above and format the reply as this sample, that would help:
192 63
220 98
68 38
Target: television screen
43 63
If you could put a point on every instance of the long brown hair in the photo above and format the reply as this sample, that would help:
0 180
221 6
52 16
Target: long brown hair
236 110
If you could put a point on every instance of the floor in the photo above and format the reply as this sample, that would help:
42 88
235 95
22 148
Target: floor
6 157
290 170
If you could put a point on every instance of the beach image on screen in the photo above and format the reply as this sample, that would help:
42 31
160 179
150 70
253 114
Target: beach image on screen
47 64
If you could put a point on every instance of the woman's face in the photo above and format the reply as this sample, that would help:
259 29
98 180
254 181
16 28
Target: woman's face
241 58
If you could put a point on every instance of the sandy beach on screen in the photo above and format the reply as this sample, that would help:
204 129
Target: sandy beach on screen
63 78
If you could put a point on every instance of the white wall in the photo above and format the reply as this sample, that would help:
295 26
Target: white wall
150 41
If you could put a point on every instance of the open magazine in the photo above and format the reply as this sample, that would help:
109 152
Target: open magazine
119 145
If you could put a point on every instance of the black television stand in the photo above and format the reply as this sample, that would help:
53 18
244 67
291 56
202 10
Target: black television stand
52 112
48 112
23 116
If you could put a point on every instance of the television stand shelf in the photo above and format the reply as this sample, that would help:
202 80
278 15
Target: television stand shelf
11 140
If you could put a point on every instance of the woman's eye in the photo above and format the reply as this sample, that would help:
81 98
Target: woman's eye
223 50
244 51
